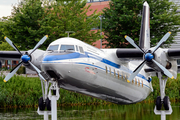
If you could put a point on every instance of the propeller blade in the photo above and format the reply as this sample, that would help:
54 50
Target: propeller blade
165 37
39 43
13 71
133 43
166 72
136 71
37 70
11 43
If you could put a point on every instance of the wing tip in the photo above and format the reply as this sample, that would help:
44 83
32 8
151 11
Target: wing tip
47 36
172 77
5 37
125 36
169 32
5 80
128 81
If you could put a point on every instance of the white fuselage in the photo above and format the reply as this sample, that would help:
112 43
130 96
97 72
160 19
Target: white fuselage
91 71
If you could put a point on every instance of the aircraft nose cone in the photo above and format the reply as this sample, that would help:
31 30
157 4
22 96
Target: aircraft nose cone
25 58
149 57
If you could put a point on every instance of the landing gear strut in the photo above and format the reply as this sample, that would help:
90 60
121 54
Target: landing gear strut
49 101
162 100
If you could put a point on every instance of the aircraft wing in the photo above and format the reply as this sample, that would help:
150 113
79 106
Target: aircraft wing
129 54
134 54
10 55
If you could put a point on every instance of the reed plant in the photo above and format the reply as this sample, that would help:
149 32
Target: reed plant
22 91
172 89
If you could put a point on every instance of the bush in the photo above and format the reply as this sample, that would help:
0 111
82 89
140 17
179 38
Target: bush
22 70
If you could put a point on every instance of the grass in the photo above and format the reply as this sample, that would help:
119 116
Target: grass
172 89
22 91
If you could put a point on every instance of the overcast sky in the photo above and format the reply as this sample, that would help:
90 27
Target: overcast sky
6 7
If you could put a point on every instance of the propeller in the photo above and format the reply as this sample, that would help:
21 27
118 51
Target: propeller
25 58
149 57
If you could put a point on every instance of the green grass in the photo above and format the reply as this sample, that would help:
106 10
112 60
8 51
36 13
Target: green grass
172 89
22 91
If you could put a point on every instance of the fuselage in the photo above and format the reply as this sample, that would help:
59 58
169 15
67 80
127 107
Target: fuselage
82 68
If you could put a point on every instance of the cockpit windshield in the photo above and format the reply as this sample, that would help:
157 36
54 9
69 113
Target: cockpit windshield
53 47
67 47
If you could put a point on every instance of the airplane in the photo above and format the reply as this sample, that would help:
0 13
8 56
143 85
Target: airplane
121 76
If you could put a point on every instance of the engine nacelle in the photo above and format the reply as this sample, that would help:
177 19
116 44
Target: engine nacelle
161 56
36 59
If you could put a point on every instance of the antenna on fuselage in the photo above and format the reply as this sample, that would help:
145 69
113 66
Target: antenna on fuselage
69 32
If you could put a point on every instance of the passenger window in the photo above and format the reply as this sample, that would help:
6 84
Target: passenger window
81 49
121 75
135 81
67 47
106 70
118 74
125 77
114 73
110 70
132 81
138 82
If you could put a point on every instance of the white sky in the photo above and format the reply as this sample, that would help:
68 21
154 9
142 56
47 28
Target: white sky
6 7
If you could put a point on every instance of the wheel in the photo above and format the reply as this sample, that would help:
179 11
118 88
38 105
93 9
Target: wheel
166 102
48 104
158 103
41 104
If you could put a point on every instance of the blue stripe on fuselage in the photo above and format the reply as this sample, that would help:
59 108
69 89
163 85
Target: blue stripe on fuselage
52 58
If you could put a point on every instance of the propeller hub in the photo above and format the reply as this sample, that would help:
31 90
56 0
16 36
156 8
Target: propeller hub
25 58
149 57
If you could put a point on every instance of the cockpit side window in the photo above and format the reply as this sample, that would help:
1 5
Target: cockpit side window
77 48
53 47
81 49
67 47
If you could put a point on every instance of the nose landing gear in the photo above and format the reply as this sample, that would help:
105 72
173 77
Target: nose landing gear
49 101
162 100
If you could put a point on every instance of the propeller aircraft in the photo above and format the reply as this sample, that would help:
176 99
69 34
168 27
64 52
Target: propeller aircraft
108 74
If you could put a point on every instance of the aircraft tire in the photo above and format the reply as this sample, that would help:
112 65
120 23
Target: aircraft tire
48 104
166 102
41 104
158 103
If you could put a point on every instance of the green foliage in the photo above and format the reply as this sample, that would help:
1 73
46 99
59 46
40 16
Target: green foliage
24 28
19 91
25 91
172 89
21 70
124 18
4 46
32 19
71 16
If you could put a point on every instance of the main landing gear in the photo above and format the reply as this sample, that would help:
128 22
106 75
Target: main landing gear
49 101
162 100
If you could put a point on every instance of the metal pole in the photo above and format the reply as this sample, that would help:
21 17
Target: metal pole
101 30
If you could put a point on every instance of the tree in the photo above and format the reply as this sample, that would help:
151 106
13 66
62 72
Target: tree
32 19
4 46
66 15
24 28
124 18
